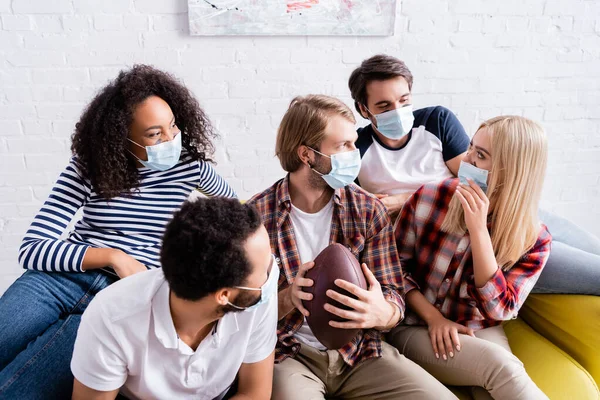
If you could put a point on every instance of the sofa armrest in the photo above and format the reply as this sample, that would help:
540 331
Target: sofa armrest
555 372
571 322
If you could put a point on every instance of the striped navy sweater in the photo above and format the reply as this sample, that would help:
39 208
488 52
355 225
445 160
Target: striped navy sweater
133 223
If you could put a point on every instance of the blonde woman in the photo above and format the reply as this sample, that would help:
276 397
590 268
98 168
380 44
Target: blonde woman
471 253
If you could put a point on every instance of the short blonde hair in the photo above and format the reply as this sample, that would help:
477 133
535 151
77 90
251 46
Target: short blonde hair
519 154
304 123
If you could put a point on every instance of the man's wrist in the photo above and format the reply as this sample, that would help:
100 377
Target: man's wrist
389 320
288 303
284 303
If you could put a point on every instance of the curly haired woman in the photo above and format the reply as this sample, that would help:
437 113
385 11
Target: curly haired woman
140 148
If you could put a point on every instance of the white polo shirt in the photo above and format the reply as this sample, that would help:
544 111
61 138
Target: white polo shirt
127 340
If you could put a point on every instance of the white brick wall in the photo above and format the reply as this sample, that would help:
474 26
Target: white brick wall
481 58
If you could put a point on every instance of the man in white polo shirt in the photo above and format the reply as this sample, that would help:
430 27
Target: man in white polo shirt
206 320
402 149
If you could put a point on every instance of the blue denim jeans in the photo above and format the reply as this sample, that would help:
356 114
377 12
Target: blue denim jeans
574 262
39 316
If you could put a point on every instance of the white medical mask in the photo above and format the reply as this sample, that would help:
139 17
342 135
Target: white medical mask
478 175
395 124
267 290
344 168
162 156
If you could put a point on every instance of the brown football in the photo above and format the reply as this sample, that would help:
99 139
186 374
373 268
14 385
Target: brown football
334 262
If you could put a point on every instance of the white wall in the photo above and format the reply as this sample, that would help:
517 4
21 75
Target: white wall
481 58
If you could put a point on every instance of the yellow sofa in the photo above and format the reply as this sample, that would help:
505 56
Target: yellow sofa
558 339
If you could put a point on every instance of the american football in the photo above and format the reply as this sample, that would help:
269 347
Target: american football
334 262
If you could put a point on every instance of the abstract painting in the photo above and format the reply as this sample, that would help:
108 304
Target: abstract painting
292 17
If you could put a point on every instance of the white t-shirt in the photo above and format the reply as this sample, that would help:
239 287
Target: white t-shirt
436 138
312 232
127 340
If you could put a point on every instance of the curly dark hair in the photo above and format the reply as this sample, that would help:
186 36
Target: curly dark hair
100 138
380 67
203 246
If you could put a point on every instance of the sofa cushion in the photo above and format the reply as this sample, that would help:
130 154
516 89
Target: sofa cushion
572 322
553 370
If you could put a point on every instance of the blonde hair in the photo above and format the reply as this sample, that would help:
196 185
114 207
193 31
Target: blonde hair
304 123
519 153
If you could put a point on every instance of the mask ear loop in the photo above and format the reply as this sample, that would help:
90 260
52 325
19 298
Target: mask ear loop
374 120
137 144
367 108
131 152
318 152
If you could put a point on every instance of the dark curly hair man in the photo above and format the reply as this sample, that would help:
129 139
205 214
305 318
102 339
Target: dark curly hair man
207 317
203 247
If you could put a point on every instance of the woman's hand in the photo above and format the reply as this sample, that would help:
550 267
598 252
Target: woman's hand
444 336
476 205
393 203
125 265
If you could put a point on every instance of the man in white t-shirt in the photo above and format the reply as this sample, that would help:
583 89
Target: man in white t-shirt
202 327
315 205
402 149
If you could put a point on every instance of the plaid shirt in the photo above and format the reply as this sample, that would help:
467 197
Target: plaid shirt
361 223
440 265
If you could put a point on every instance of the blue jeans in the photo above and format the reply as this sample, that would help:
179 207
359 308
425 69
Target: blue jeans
39 316
574 262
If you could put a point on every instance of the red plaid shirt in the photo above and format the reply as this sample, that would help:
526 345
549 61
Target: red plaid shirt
440 265
361 223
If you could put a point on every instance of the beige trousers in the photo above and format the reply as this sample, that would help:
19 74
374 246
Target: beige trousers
484 361
316 375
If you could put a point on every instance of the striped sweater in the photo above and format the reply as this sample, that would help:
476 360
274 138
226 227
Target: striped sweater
133 223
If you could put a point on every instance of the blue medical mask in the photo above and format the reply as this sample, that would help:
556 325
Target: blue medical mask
162 156
395 124
267 290
344 168
470 171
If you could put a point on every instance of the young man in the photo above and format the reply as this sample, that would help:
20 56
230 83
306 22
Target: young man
315 205
189 329
402 149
